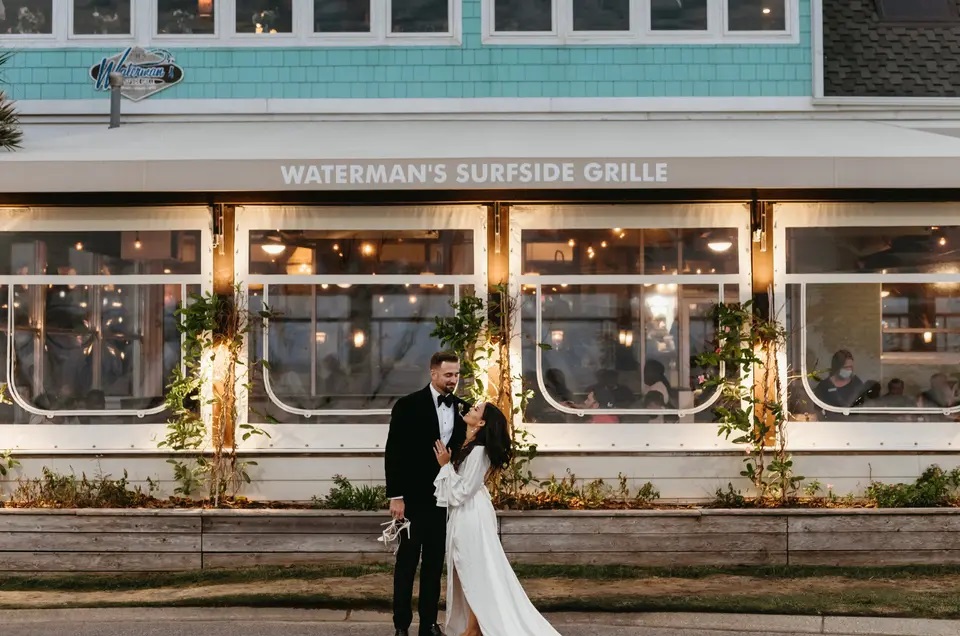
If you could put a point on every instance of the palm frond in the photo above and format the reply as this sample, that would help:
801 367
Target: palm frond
10 134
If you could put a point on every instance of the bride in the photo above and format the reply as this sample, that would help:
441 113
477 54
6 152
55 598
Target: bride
484 597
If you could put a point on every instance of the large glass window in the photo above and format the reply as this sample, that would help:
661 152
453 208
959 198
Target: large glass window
601 15
353 309
341 16
872 316
102 17
523 15
671 15
623 311
186 17
420 16
26 17
756 15
264 16
89 325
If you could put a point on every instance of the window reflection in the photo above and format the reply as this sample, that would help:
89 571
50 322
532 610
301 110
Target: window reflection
341 16
93 347
100 253
300 252
264 16
601 15
671 15
630 251
619 347
101 17
419 16
185 17
878 250
346 346
523 15
756 15
26 17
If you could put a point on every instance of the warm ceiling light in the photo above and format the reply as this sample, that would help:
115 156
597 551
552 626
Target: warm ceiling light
719 246
942 241
367 249
78 246
571 242
766 11
204 8
928 337
273 249
359 339
136 241
884 293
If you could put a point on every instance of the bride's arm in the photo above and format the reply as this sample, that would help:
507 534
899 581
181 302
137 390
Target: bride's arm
453 488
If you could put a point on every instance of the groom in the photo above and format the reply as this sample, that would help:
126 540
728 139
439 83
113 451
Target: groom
418 420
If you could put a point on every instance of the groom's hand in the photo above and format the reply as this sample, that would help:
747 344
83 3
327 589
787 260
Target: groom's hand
397 508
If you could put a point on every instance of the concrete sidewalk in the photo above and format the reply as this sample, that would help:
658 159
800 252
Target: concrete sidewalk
363 622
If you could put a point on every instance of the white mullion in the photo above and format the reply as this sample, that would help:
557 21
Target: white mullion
359 279
840 279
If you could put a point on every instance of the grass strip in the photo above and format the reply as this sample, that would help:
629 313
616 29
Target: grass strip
147 580
883 603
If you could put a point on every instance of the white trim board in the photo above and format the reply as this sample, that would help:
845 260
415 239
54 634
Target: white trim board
480 105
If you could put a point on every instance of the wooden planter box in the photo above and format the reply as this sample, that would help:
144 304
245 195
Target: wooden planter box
156 540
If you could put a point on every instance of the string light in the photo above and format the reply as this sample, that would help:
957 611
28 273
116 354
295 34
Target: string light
136 241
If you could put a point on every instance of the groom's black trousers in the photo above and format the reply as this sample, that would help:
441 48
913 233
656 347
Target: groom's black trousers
428 538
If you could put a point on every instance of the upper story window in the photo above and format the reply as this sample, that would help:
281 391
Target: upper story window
637 21
233 23
186 17
102 18
932 11
26 17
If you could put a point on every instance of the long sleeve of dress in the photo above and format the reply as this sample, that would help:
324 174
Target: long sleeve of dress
453 489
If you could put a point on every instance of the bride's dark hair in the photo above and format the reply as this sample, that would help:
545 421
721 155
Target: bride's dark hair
495 439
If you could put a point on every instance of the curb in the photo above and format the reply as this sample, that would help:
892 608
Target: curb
688 622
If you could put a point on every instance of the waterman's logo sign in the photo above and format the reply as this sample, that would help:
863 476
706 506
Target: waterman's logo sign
145 72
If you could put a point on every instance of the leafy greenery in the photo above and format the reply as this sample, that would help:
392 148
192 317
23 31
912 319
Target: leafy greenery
214 330
479 332
346 496
935 487
55 490
569 493
10 134
752 412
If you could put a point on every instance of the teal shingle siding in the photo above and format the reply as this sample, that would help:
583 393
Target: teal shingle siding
472 70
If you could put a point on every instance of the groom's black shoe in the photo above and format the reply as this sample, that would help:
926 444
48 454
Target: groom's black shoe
433 630
401 632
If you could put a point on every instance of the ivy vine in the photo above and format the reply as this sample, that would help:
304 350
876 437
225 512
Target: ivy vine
752 413
214 329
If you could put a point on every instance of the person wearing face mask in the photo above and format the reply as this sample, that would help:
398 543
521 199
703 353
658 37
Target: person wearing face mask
842 388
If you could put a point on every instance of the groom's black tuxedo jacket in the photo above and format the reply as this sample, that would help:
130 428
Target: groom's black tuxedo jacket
409 461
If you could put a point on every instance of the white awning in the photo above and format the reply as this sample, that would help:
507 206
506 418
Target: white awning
420 154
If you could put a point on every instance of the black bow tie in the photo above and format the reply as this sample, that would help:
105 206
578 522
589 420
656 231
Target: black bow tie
447 399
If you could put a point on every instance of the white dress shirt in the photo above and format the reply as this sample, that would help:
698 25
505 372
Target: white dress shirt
444 416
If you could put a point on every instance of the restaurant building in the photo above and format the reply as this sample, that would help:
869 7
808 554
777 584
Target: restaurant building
356 166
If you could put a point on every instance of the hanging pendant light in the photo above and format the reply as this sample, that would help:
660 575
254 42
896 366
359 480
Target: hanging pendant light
204 8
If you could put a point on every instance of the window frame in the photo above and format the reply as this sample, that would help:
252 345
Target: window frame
145 13
641 30
629 436
857 435
951 21
335 435
94 436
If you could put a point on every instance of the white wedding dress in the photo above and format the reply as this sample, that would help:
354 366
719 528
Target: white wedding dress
478 572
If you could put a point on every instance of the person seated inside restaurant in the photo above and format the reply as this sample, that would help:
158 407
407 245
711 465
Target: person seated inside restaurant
655 379
601 397
842 388
941 394
653 400
896 396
